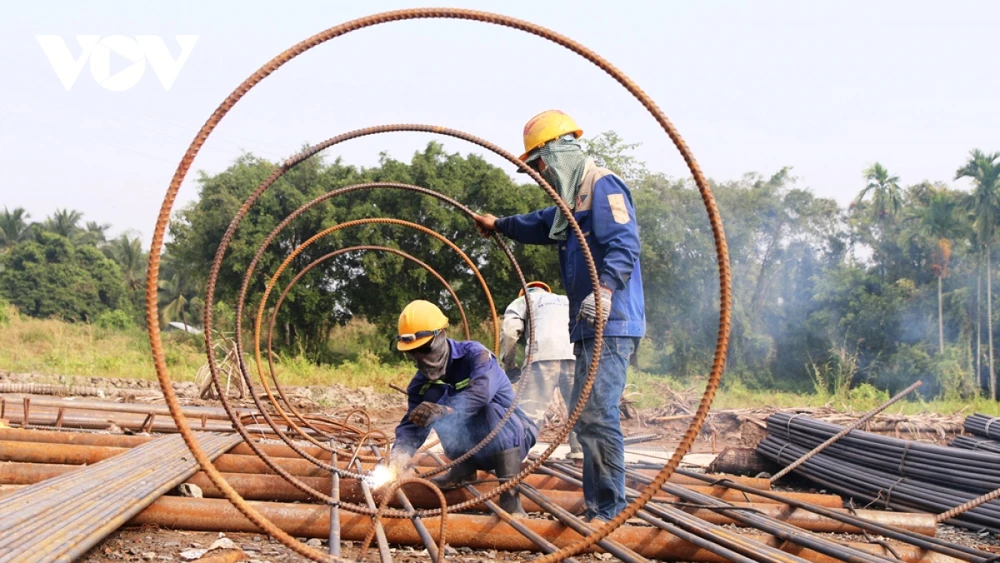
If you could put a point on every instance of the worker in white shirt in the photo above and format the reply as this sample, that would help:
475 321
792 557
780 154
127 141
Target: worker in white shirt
552 359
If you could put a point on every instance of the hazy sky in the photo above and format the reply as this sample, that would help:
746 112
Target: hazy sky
752 86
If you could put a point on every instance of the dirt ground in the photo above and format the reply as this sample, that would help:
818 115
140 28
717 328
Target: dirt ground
724 429
154 545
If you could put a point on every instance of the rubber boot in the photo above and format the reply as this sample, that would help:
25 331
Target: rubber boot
455 476
507 464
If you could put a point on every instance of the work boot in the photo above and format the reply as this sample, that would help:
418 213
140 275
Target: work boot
455 476
507 464
575 449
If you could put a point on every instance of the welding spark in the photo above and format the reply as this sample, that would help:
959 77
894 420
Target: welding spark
381 475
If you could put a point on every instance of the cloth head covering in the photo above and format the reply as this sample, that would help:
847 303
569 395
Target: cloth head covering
565 162
434 362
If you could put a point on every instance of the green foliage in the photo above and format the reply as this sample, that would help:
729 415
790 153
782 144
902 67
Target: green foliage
55 278
115 320
369 285
612 152
14 227
8 312
845 304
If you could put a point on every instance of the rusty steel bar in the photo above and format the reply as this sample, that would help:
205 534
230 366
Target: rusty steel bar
125 441
39 523
274 488
476 532
52 389
716 539
772 526
545 545
956 551
383 544
77 454
725 288
967 506
212 413
404 502
847 430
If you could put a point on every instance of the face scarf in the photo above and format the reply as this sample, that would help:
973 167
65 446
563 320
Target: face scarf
564 165
433 362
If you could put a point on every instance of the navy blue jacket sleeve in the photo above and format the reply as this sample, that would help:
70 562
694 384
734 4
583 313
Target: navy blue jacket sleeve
409 436
615 230
529 228
483 385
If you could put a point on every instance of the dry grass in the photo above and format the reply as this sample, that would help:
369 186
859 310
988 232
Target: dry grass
52 347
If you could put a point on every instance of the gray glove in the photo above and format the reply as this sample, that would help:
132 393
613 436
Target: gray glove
588 309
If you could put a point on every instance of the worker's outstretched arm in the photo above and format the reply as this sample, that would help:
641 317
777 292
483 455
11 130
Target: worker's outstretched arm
529 228
616 231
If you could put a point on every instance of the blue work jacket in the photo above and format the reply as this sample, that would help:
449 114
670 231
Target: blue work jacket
479 391
606 214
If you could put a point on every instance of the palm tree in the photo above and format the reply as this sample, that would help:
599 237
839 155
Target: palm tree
175 291
887 197
173 299
65 222
126 250
936 223
13 226
95 234
984 204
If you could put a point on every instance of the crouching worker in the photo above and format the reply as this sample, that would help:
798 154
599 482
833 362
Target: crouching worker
461 392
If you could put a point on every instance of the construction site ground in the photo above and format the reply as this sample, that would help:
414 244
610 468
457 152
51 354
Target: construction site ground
725 429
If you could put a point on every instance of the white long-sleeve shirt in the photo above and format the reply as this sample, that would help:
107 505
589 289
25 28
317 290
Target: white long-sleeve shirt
551 318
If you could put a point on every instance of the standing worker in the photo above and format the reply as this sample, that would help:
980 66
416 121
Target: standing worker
460 391
552 358
602 205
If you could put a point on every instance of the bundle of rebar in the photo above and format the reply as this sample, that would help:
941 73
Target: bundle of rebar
59 519
983 425
976 444
889 472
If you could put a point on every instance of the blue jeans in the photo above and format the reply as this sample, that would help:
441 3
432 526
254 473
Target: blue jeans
599 427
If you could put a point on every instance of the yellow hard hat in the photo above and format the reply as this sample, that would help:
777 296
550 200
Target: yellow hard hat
419 322
537 284
546 126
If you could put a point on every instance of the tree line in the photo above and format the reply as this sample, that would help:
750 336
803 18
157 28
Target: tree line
895 287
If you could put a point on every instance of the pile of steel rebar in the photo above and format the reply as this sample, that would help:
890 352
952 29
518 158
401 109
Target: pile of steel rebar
986 434
685 517
982 425
888 472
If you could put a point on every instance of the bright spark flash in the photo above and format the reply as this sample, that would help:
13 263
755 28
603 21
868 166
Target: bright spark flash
380 476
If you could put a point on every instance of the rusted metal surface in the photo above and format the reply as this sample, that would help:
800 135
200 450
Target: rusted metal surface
62 518
223 556
274 488
49 389
477 532
211 413
715 221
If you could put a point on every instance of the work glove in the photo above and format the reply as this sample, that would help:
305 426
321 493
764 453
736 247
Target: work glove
588 309
426 413
514 375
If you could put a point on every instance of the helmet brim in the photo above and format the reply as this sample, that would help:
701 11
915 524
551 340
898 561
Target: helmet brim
407 346
527 158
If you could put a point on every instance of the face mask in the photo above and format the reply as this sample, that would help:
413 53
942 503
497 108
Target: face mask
432 358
